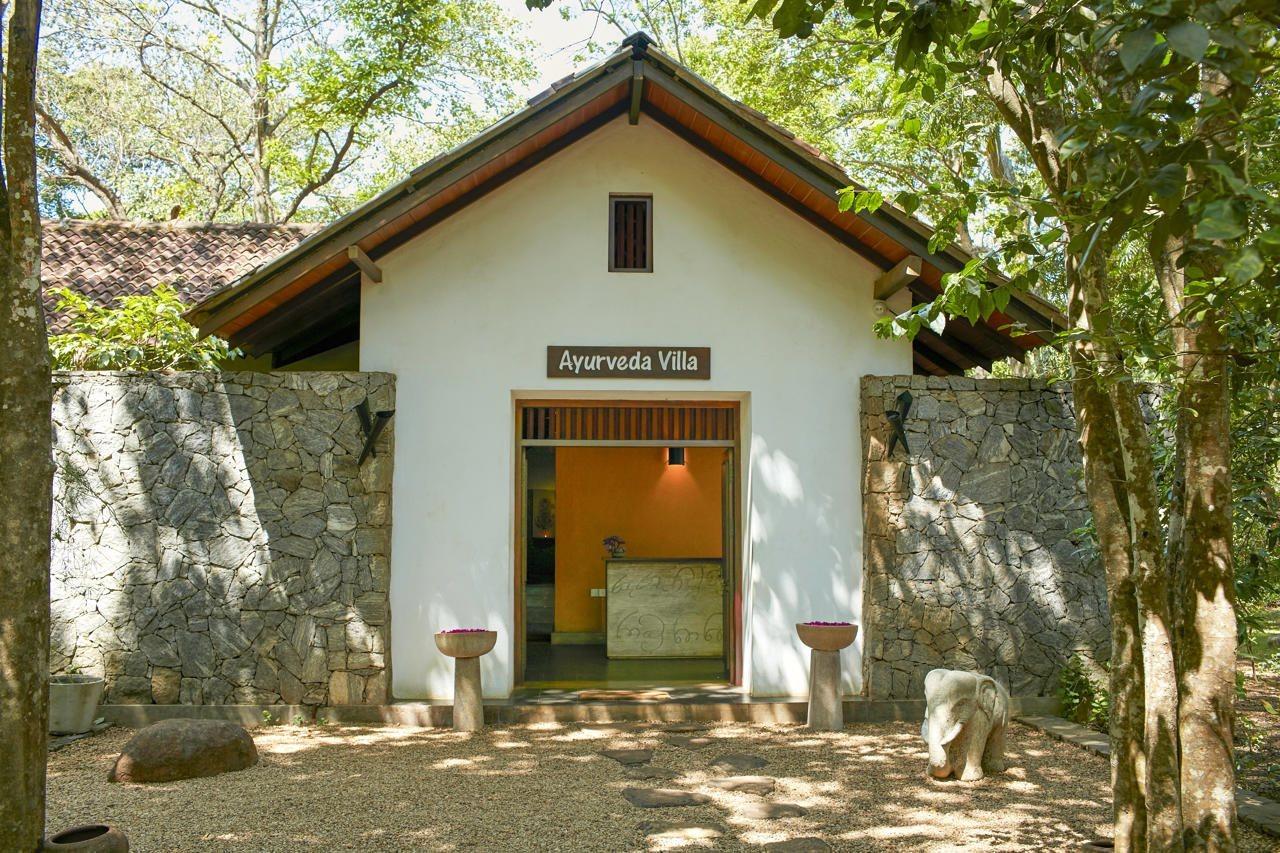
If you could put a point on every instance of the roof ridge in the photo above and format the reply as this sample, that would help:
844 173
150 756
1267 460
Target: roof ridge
179 225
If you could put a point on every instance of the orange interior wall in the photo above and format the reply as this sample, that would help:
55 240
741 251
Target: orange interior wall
660 510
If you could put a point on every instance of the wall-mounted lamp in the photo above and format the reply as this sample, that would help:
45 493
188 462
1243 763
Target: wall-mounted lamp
897 424
675 455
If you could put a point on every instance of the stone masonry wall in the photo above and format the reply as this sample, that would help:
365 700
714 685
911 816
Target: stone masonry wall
215 542
971 556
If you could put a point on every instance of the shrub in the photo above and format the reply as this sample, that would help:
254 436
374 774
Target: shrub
140 332
1085 699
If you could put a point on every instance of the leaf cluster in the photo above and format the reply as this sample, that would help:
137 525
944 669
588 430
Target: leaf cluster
140 332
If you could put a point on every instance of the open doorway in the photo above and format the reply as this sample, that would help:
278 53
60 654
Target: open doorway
656 605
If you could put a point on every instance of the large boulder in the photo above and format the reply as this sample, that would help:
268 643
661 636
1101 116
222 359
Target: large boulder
184 749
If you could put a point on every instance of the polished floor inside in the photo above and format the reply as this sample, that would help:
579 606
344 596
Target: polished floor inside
566 666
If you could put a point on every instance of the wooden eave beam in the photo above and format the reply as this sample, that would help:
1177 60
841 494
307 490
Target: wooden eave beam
980 337
925 364
637 91
921 349
956 352
904 272
316 303
334 332
307 324
369 271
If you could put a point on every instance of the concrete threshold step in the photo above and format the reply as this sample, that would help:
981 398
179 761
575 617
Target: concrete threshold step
543 708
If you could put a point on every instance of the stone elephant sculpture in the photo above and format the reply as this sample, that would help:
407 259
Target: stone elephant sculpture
966 716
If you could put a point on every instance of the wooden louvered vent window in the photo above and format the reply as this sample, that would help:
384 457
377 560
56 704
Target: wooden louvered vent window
627 423
630 233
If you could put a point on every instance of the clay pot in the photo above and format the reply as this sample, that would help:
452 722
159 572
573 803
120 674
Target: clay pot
466 644
826 638
89 838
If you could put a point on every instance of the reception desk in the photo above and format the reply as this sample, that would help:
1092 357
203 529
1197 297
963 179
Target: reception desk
664 608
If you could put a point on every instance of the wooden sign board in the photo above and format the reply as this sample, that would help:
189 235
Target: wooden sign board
573 362
664 609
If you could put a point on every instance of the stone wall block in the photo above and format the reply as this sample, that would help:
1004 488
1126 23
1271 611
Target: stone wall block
969 555
203 523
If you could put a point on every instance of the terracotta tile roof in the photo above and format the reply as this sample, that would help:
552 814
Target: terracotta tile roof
108 259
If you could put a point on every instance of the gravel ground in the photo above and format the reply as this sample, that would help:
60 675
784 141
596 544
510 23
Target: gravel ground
1258 730
545 787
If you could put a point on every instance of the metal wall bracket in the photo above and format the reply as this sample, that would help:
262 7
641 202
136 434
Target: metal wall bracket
897 419
371 426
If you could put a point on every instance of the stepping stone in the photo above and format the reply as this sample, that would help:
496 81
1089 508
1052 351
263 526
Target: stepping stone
628 757
688 831
650 772
682 728
691 742
739 762
662 798
747 784
806 844
769 811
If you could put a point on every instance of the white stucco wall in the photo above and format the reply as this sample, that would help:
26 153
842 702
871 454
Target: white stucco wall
463 318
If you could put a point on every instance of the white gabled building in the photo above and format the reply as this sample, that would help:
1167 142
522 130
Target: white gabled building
629 211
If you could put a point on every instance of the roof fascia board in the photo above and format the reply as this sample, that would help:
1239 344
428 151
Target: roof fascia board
823 180
216 310
809 215
277 327
1036 313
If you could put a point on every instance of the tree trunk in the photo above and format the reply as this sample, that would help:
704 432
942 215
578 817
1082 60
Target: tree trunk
1207 659
1207 656
26 474
1100 449
1160 681
262 208
1166 258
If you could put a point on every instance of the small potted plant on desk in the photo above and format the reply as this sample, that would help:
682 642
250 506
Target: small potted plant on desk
615 545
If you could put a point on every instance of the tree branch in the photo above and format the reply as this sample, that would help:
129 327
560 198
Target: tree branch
74 167
340 153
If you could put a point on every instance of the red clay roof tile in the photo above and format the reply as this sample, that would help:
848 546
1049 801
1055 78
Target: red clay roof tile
109 259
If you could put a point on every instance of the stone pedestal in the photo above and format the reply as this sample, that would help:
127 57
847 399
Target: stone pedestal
468 704
825 640
826 711
466 649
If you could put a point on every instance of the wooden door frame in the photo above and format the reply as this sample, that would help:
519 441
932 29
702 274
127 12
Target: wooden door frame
740 402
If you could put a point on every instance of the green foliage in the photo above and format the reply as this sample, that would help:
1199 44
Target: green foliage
1156 123
143 332
1084 695
232 115
1123 87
